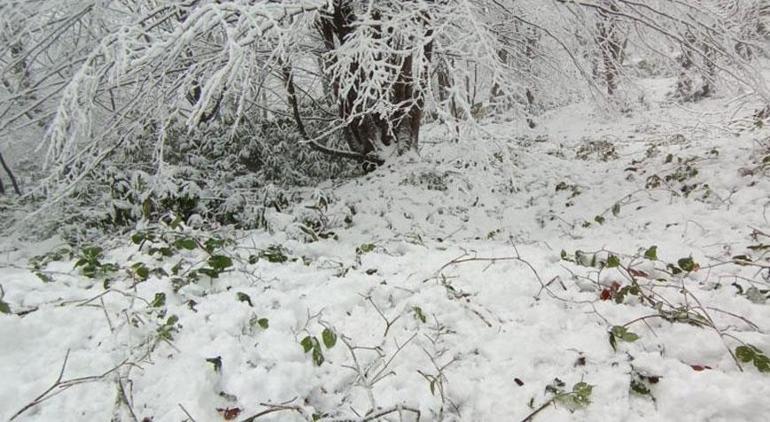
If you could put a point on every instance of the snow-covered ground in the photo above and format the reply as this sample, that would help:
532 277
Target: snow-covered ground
454 287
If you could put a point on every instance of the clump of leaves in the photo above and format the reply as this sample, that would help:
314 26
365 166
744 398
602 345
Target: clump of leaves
311 344
578 397
365 248
217 264
641 383
602 149
39 262
621 333
573 189
274 253
749 353
89 262
168 328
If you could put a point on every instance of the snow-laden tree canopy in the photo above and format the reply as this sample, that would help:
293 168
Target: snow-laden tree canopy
356 78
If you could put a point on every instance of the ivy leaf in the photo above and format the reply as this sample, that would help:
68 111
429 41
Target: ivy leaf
762 363
212 244
141 271
318 356
687 264
613 261
744 353
186 243
616 209
220 262
138 238
619 332
243 297
159 300
4 308
651 253
264 323
582 392
329 338
307 344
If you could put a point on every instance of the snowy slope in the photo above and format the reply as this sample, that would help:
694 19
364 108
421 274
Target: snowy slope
446 288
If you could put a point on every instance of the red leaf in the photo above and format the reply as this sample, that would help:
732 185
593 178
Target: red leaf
229 413
637 273
605 295
700 367
609 293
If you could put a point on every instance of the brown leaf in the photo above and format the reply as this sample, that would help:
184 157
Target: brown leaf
229 413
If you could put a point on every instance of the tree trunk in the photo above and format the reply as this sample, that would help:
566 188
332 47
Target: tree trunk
365 132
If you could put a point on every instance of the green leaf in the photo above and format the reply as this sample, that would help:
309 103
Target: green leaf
329 338
651 253
365 248
212 244
4 308
209 272
582 393
741 259
186 243
138 238
275 254
613 261
217 362
630 337
418 314
318 356
43 276
599 219
159 300
220 262
141 271
744 353
762 363
687 264
619 332
92 252
616 209
307 344
264 323
243 297
639 387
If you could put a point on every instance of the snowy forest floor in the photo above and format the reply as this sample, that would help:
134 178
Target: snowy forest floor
488 280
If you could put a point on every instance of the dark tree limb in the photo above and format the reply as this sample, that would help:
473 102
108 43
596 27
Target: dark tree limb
11 176
292 99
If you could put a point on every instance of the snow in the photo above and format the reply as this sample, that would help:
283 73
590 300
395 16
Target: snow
526 317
